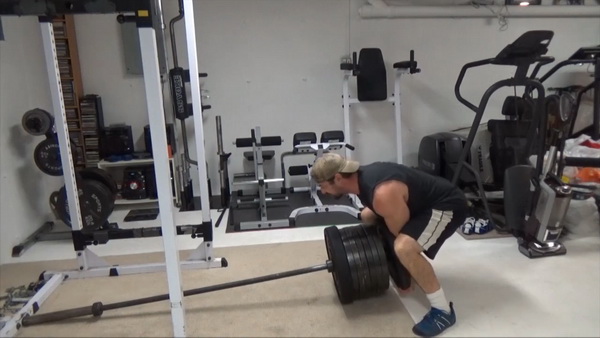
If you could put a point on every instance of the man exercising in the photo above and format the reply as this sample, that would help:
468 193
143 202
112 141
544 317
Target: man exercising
419 209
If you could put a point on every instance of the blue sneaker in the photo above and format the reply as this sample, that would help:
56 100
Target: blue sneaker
435 322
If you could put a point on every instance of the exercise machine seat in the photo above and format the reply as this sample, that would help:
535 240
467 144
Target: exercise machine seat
508 145
371 80
266 154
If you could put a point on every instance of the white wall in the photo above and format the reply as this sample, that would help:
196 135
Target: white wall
103 72
271 63
24 189
442 47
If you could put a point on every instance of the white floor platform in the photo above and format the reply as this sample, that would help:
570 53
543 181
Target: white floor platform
496 290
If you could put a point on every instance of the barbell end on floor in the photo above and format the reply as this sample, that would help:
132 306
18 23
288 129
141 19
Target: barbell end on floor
97 309
329 264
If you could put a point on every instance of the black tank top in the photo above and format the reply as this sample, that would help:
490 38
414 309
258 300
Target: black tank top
425 191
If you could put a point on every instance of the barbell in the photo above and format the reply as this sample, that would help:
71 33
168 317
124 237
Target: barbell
357 261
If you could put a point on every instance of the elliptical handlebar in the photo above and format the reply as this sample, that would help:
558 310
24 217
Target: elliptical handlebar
461 76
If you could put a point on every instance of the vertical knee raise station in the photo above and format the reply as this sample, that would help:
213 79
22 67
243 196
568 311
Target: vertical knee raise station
371 83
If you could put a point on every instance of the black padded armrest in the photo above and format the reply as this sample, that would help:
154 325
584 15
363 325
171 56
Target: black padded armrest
410 64
266 155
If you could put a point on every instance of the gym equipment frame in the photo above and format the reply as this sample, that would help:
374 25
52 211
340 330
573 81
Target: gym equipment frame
357 260
352 69
535 198
319 149
257 141
90 265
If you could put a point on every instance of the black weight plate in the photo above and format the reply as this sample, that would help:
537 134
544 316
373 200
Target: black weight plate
369 256
353 261
47 157
342 277
398 272
37 122
359 263
377 246
361 267
101 203
368 273
95 202
102 176
378 264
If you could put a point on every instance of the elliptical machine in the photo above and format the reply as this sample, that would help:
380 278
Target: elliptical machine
535 200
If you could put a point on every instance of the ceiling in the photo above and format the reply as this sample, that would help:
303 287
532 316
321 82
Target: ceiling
427 2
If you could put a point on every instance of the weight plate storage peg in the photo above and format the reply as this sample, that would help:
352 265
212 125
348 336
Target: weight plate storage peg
47 157
37 122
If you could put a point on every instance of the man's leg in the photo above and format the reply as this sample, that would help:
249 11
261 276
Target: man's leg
441 315
425 233
409 252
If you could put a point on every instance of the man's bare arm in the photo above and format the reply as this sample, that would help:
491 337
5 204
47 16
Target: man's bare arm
390 201
367 216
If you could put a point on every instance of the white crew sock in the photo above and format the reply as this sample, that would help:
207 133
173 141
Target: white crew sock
438 300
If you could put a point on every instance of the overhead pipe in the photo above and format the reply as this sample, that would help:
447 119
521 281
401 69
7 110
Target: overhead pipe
378 9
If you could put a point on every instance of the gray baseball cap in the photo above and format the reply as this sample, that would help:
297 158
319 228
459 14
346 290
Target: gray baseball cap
329 164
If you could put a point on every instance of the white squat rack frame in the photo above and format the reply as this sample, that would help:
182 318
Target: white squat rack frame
89 264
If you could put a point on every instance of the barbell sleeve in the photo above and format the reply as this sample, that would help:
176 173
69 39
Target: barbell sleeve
95 309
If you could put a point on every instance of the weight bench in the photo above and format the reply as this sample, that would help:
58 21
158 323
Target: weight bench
258 178
300 138
330 140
